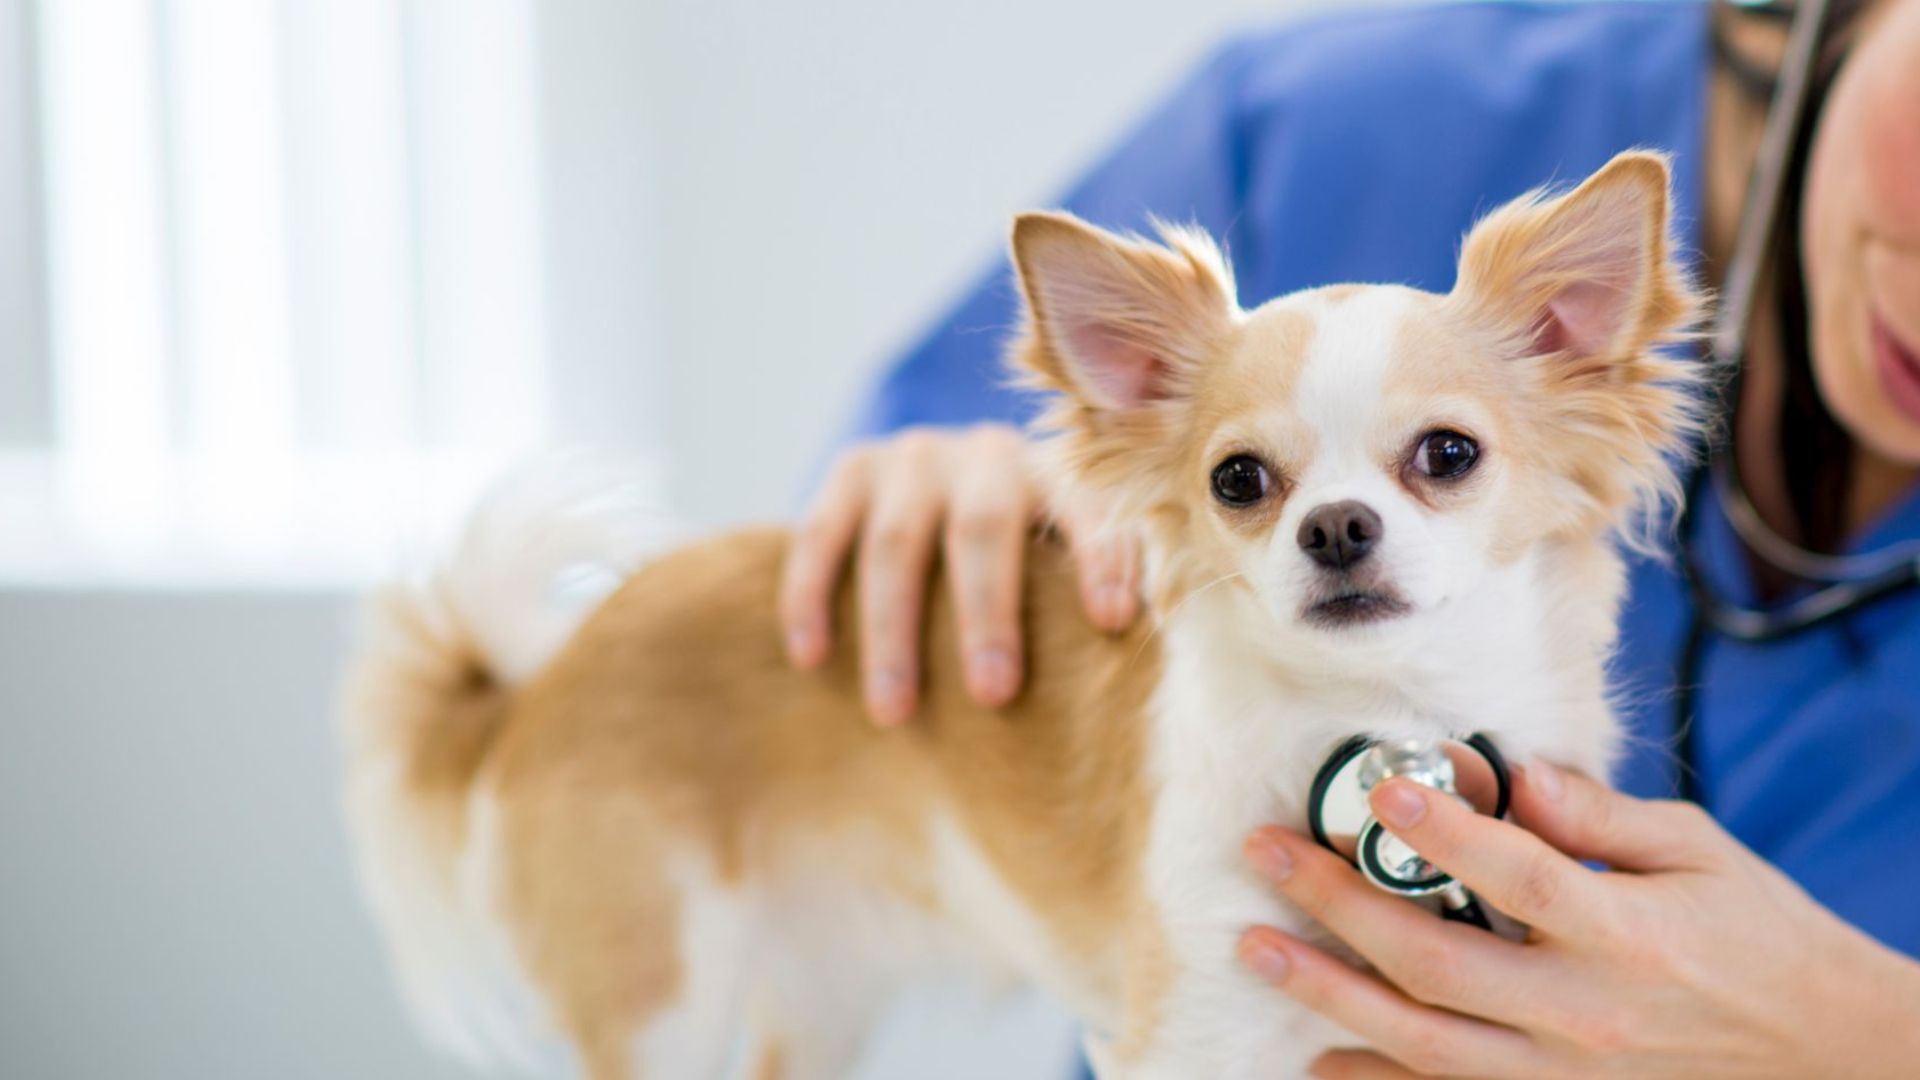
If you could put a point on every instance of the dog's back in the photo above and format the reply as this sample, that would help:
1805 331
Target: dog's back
666 836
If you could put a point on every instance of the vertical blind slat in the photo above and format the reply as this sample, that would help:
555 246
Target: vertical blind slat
229 213
107 326
356 367
477 161
25 381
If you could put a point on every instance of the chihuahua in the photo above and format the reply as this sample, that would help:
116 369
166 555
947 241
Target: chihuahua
1367 509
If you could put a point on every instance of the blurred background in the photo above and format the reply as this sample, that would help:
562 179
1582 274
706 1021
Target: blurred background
282 282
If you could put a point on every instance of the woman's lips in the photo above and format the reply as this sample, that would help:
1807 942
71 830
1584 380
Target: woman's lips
1899 369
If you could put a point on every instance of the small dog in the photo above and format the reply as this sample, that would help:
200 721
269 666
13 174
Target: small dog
1368 509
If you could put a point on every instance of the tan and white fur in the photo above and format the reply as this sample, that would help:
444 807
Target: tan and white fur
652 837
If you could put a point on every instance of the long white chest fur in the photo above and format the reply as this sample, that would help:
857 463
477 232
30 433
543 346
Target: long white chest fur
1237 739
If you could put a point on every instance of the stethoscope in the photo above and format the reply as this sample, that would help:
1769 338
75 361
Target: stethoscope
1339 818
1842 584
1337 812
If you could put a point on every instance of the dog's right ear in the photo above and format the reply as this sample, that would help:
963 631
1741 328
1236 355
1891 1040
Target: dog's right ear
1118 324
1120 328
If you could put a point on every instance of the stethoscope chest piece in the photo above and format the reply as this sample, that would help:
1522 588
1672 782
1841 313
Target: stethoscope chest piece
1338 814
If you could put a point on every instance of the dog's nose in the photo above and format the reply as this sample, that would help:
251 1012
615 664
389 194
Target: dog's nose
1340 534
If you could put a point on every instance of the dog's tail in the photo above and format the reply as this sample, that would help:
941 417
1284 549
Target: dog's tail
428 690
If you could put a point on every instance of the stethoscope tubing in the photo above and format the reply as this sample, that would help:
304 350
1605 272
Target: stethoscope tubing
1760 626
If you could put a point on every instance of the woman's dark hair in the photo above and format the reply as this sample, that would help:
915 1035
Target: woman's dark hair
1816 452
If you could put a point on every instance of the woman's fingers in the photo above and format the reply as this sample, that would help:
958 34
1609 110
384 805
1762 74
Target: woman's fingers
896 555
1509 867
985 543
973 495
1358 1065
1107 561
1426 1040
1588 820
1434 961
1109 572
816 557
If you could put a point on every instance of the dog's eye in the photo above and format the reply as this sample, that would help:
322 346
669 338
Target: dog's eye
1241 480
1445 455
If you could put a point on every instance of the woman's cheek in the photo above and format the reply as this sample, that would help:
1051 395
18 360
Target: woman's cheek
1863 189
1830 256
1889 118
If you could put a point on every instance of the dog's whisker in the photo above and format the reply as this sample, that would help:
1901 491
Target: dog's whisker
1153 632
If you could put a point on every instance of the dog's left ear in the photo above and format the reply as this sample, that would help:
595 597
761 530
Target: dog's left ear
1588 275
1121 328
1585 288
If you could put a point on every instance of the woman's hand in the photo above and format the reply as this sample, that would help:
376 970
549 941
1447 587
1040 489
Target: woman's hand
1693 958
975 494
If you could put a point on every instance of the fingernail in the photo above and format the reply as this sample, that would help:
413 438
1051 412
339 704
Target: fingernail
1265 957
994 673
1401 804
887 696
1267 855
803 644
1546 780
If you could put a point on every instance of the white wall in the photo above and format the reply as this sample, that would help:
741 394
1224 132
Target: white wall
174 898
824 177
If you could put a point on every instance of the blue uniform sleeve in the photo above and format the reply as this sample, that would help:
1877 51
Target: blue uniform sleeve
1179 165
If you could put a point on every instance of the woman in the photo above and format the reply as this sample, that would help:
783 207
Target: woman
1773 937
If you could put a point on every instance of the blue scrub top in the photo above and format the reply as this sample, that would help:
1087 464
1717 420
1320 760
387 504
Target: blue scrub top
1360 147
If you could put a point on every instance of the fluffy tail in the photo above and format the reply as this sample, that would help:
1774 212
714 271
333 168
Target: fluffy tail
426 693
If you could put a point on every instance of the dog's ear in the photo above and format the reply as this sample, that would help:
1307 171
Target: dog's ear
1117 323
1120 328
1589 275
1586 288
